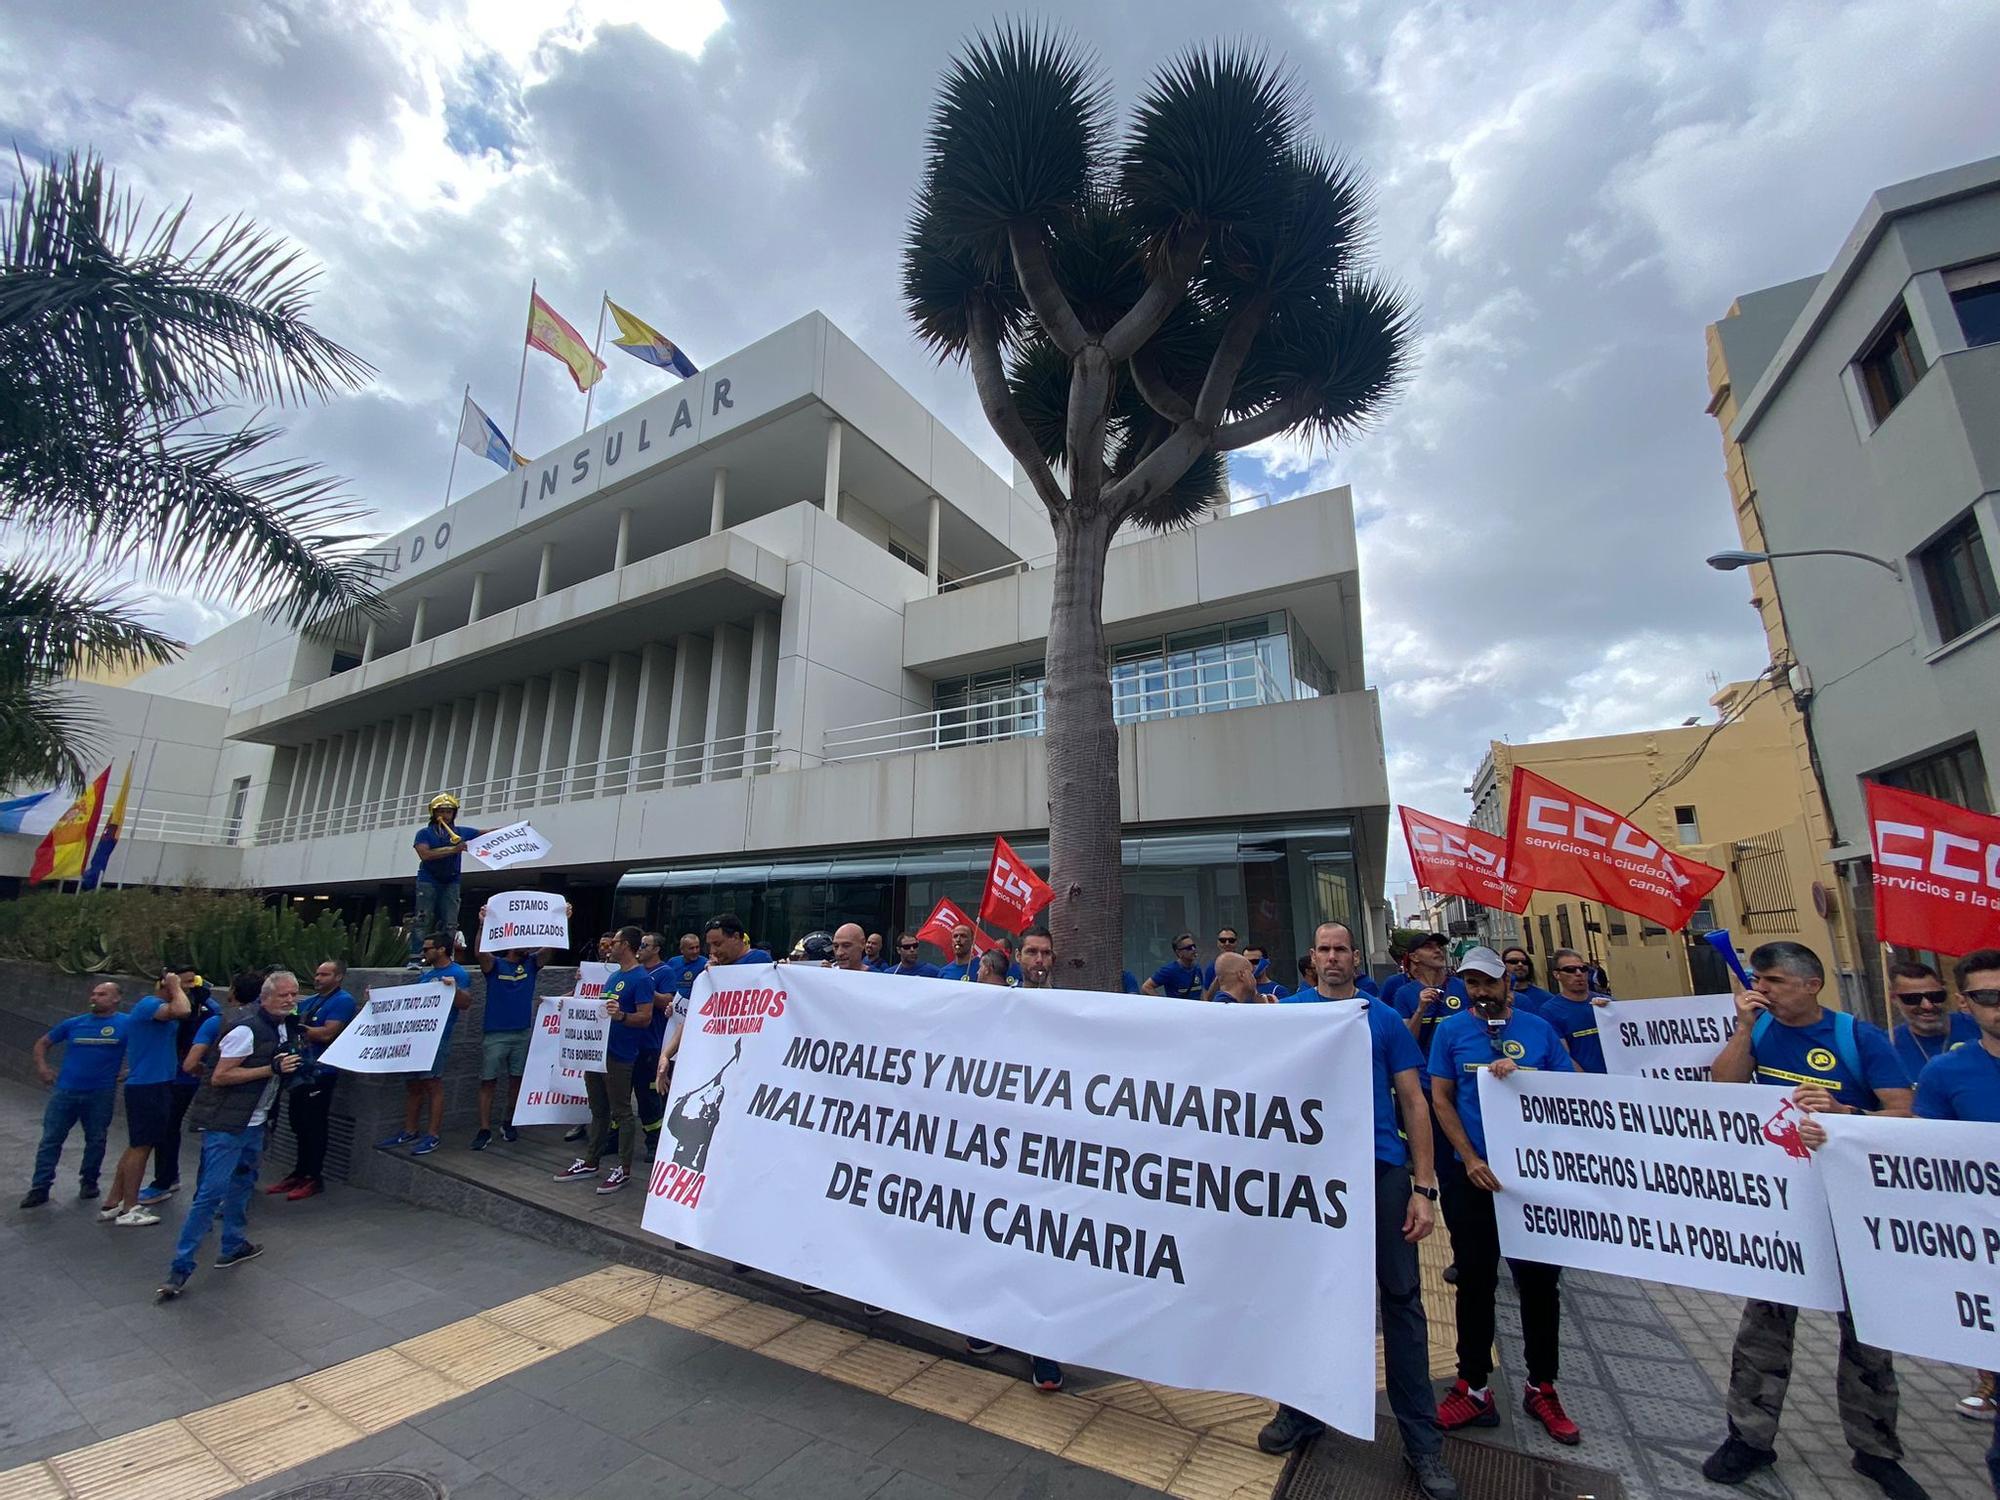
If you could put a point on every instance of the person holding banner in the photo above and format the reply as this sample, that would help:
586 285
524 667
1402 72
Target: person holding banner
1492 1034
1574 1011
503 1039
440 847
1834 1064
321 1018
426 1089
1931 1026
1528 996
1406 1195
628 1002
907 960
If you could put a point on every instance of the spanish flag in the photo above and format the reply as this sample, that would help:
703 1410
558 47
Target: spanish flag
548 332
642 340
100 857
61 853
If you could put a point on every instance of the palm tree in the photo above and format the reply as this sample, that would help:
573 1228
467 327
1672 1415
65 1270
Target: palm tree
122 344
1133 309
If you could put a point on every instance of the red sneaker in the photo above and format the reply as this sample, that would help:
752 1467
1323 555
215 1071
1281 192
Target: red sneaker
309 1187
1460 1408
1545 1406
285 1184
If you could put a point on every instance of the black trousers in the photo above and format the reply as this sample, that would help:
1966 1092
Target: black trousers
312 1105
167 1155
1475 1241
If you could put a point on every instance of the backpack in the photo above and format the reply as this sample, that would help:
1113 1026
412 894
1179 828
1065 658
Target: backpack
1845 1046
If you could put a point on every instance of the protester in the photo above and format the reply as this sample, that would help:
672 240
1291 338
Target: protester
198 1025
321 1017
907 961
1226 940
1931 1024
994 968
1529 997
150 1064
871 956
651 1102
1399 955
427 1088
1260 966
1181 978
1236 982
86 1090
1430 994
439 845
850 949
1307 989
1492 1035
503 1037
252 1061
1574 1010
1038 959
628 1004
1833 1064
728 943
964 965
1406 1196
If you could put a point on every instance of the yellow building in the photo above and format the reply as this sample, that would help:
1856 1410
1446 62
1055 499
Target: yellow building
1726 793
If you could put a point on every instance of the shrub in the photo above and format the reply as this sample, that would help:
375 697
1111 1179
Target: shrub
144 929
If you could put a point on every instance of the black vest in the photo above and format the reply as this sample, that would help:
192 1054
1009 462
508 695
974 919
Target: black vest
230 1106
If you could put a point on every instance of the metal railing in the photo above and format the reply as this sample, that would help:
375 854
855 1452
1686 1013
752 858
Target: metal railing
168 827
1144 694
1231 507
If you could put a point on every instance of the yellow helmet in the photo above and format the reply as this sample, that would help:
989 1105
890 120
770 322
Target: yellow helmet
443 800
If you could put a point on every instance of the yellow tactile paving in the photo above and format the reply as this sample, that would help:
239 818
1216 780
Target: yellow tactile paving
202 1477
811 1346
30 1482
1226 1471
165 1461
1041 1419
548 1321
752 1325
1135 1448
252 1456
690 1306
877 1365
475 1351
953 1390
617 1294
378 1390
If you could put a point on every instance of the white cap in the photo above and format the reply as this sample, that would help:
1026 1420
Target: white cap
1482 961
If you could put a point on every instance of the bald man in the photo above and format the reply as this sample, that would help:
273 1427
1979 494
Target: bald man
1236 981
850 948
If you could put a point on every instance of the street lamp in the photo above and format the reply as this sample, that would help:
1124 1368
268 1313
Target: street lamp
1728 562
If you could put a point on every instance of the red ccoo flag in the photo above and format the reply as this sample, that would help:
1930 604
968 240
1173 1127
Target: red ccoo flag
1014 892
943 918
1937 872
1454 860
1558 841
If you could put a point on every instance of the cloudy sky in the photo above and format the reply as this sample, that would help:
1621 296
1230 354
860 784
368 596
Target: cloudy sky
1571 190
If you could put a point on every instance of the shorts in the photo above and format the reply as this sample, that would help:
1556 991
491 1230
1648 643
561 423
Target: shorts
503 1053
436 1069
149 1113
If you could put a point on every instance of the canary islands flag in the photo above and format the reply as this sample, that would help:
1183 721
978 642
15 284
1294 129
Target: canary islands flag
61 853
483 436
100 857
641 340
548 332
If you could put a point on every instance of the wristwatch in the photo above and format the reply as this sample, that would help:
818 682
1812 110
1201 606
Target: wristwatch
1424 1192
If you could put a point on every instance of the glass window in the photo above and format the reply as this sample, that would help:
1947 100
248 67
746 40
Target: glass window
1956 774
1891 366
1978 310
1958 573
1687 827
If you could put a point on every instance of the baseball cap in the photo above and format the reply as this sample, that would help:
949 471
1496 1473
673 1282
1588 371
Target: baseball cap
1482 961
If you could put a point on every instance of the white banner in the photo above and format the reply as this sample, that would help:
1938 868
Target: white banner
1676 1038
524 919
1916 1209
1174 1193
586 1030
1695 1184
397 1030
551 1094
516 844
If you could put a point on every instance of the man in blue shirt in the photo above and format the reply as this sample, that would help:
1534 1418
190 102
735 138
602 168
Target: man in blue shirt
1490 1035
1964 1083
503 1034
964 965
86 1090
1406 1196
1182 978
1931 1025
1260 965
439 844
629 1004
687 965
907 960
1529 997
1574 1010
320 1017
1226 941
427 1088
1832 1064
202 1005
151 1062
652 1104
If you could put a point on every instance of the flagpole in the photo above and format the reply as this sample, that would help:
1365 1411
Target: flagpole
596 349
521 386
456 442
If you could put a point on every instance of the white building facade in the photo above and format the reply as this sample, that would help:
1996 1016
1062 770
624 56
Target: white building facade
771 642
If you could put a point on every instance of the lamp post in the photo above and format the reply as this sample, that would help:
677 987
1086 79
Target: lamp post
1728 562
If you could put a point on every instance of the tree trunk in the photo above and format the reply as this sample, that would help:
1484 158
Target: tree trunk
1087 917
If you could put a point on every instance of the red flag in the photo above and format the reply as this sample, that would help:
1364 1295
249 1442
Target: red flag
1937 872
1014 892
1454 860
1558 841
943 918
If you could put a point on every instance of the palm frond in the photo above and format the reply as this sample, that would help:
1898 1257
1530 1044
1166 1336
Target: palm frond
1100 263
48 735
1017 135
943 280
1338 361
1316 236
1207 140
1038 377
1187 499
55 622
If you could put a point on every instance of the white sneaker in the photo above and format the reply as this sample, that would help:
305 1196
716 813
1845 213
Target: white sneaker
618 1178
106 1215
134 1218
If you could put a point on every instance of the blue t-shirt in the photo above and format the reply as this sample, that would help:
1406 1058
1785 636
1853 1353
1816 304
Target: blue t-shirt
313 1011
915 971
1455 1002
1392 989
456 973
1180 980
1462 1047
204 1036
1576 1022
969 973
1394 1051
1130 981
149 1043
662 975
750 956
1367 986
1964 1084
1535 1000
510 992
1789 1056
683 972
93 1050
631 988
1918 1052
440 871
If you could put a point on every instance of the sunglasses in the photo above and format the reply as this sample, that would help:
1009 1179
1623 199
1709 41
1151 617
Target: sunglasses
1515 963
1184 947
1921 997
1571 969
1985 998
1230 940
906 947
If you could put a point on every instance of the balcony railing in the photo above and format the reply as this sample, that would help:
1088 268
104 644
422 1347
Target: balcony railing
1233 506
167 827
1147 693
